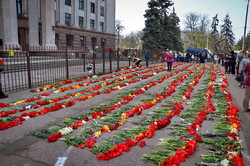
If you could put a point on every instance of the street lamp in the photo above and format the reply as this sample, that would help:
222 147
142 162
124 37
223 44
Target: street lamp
243 44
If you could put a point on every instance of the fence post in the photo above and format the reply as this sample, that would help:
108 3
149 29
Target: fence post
67 63
94 55
103 60
118 58
84 62
28 67
110 60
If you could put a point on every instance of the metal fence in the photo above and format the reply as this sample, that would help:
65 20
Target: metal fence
32 67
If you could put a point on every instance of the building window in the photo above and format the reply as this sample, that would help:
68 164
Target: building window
92 7
92 24
82 41
68 2
57 39
102 11
69 40
103 43
93 42
68 19
102 26
81 22
19 7
81 4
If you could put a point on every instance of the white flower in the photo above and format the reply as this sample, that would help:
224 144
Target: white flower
84 122
26 117
66 130
224 162
28 107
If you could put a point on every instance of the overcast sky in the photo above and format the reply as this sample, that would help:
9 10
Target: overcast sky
130 12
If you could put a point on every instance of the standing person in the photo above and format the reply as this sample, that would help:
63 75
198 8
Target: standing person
147 56
242 66
215 58
232 62
193 57
247 88
169 59
2 95
226 63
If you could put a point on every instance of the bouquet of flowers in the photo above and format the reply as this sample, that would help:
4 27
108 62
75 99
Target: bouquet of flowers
1 65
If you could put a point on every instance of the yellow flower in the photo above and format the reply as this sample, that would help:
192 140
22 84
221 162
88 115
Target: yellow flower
89 97
139 135
235 125
124 116
77 86
77 94
154 101
106 127
47 86
233 129
98 133
169 112
19 102
104 84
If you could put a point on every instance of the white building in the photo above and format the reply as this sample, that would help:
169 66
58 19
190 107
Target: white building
73 23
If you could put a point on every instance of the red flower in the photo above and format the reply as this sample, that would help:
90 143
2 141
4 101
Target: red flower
90 144
142 143
2 63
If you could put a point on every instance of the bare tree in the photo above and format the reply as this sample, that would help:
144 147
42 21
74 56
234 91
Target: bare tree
192 21
204 22
118 28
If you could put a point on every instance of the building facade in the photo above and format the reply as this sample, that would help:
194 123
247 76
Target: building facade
58 23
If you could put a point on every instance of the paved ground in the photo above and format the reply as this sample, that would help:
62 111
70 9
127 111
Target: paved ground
238 96
10 150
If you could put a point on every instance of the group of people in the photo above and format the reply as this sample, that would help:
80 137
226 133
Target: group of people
169 58
228 60
234 63
242 63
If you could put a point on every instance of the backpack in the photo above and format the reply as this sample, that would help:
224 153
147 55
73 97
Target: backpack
170 56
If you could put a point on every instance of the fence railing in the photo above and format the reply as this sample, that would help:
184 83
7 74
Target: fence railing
32 67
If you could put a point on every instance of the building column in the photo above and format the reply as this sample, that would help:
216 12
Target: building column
8 22
86 15
48 23
33 22
97 15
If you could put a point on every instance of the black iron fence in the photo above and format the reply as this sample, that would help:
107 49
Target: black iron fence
32 67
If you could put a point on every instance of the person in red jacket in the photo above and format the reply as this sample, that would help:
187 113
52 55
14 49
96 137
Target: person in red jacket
247 88
169 59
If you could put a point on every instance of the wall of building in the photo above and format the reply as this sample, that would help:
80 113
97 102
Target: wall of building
50 15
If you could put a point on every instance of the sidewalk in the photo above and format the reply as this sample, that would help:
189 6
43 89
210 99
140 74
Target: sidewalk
238 96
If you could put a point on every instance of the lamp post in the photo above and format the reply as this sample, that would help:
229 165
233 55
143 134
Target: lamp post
243 44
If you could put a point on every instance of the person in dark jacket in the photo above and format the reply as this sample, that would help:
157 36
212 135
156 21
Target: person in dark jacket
247 88
232 62
147 56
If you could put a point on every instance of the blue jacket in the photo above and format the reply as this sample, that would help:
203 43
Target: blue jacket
147 54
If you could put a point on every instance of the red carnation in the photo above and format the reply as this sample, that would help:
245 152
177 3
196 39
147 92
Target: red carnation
142 143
